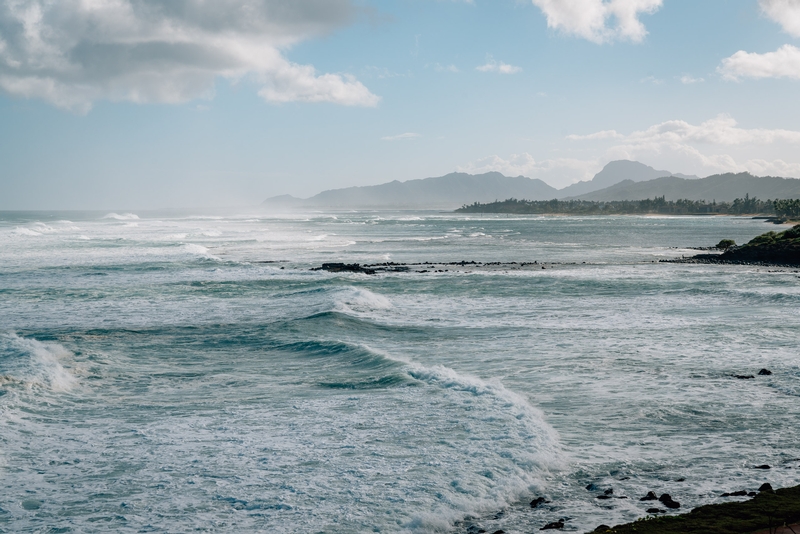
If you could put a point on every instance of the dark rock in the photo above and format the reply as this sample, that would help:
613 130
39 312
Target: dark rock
592 487
667 501
766 486
740 493
752 494
744 377
31 504
499 532
344 268
649 497
604 497
656 511
609 491
765 466
537 501
555 525
765 372
680 479
474 529
602 528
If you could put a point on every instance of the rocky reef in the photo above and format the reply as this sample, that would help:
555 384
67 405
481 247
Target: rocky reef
768 511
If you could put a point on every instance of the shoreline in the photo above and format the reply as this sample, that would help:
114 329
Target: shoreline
768 511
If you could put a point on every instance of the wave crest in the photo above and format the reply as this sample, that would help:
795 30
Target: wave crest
121 217
29 362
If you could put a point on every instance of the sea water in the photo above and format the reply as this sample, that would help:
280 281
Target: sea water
180 371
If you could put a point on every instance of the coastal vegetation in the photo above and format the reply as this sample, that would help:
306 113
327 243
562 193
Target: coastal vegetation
777 248
658 205
787 208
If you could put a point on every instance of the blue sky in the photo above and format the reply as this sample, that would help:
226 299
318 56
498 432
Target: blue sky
171 103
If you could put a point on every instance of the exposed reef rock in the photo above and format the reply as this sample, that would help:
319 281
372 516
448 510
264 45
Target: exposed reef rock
433 267
766 511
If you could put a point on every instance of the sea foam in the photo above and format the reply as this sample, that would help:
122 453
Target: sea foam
360 299
121 217
34 363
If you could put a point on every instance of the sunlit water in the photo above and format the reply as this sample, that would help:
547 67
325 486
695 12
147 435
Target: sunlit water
156 375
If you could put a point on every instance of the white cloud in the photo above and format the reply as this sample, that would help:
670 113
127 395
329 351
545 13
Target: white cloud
556 172
402 137
599 21
493 66
783 63
652 79
688 80
445 68
784 12
604 134
74 52
705 148
721 130
715 146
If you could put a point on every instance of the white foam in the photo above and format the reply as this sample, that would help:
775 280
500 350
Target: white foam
360 299
21 230
524 448
44 365
196 249
121 217
535 449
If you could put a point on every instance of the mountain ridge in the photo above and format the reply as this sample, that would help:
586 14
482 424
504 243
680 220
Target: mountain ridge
721 187
618 180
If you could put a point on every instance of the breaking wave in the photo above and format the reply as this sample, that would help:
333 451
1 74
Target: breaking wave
29 362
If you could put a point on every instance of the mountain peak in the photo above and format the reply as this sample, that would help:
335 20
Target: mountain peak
624 169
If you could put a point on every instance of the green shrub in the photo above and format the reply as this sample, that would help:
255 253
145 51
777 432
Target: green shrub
764 239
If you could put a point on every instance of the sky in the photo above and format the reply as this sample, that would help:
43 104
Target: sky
145 104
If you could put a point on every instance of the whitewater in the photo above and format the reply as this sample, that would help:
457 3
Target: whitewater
189 371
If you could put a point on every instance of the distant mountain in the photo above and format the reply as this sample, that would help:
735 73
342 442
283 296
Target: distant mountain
613 173
619 180
721 187
445 192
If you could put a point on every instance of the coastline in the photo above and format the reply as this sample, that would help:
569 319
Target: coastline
765 512
771 248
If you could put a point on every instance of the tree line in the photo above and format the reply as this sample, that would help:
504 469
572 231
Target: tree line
740 206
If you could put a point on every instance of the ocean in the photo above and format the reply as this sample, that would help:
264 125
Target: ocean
189 371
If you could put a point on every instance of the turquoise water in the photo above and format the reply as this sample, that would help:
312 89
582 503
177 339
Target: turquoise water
156 375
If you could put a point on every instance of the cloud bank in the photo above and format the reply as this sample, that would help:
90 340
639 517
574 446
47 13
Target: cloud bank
599 21
717 145
784 12
705 147
72 53
783 63
556 172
